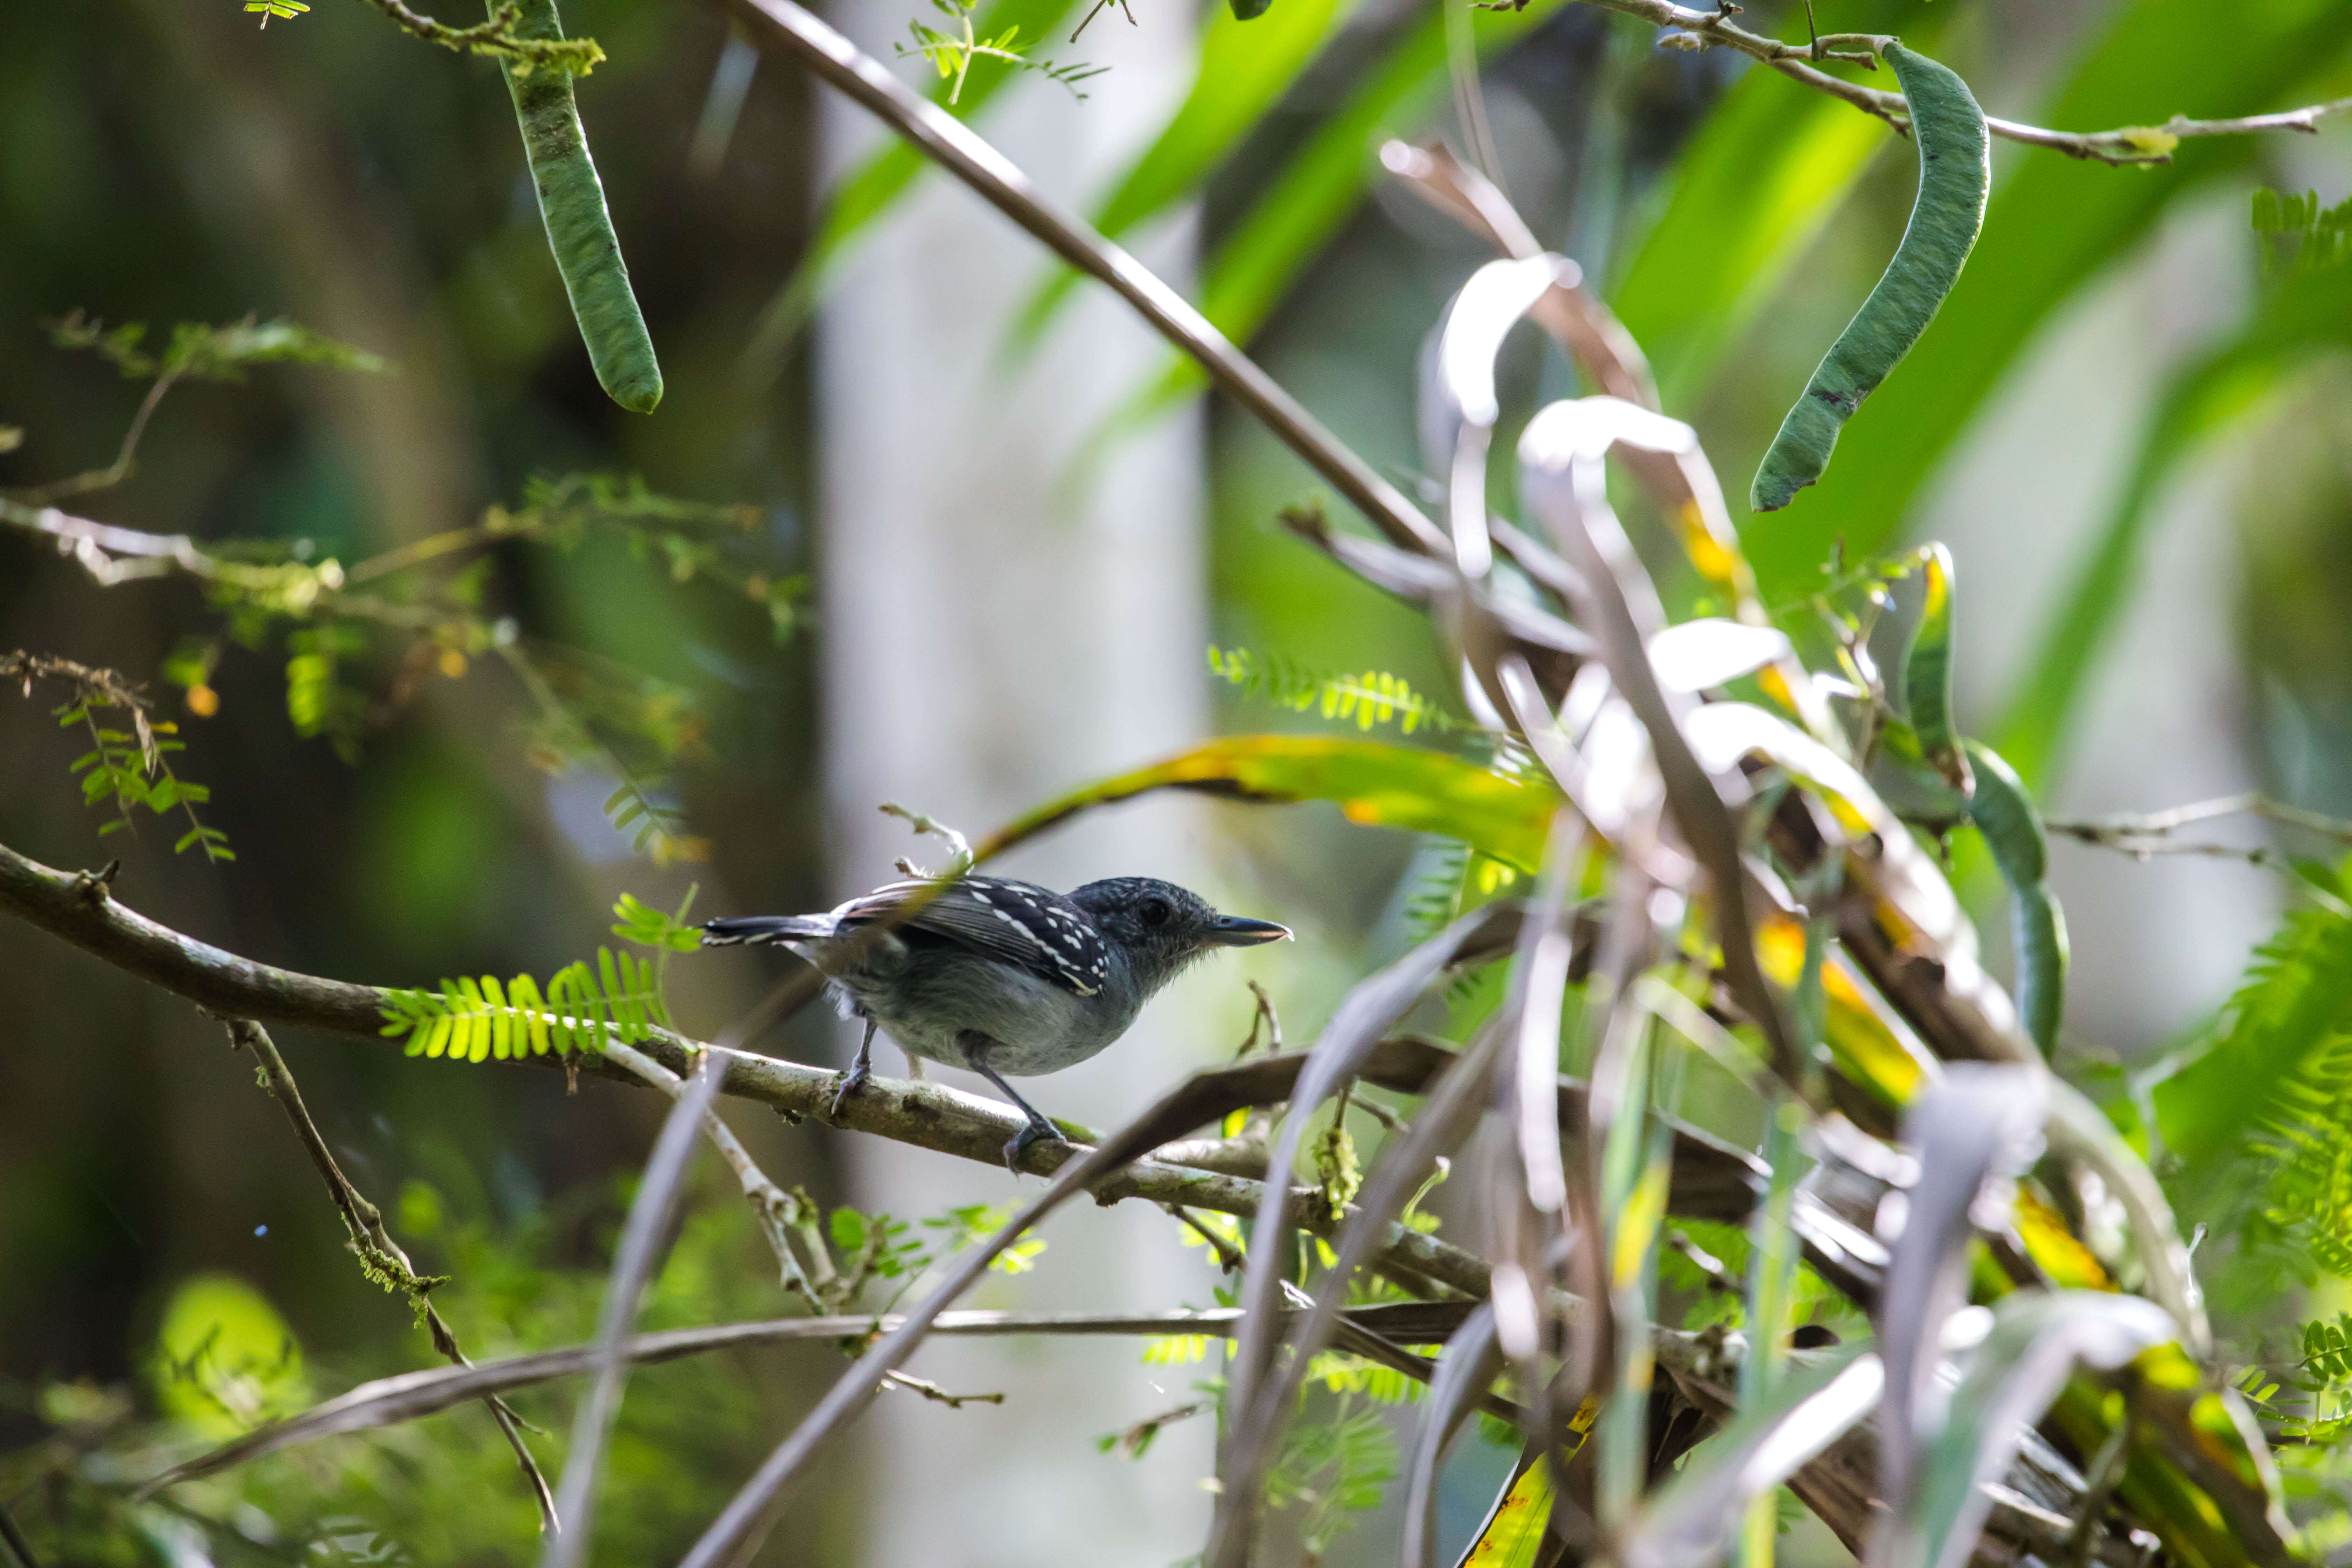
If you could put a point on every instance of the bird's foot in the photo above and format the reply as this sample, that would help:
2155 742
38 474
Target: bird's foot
851 1083
1032 1133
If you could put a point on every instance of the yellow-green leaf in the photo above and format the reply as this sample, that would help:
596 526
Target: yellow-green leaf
1516 1534
1373 783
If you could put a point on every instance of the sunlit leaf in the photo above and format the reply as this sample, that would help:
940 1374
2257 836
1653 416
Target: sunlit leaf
1376 784
1869 1046
1513 1533
1702 654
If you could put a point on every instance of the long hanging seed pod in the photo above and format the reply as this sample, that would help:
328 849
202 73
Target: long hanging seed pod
1954 172
579 228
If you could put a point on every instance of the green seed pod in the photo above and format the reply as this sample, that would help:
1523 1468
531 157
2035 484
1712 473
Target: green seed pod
2012 831
1927 672
1954 171
579 228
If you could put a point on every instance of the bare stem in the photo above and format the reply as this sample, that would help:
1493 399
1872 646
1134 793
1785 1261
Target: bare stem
380 1256
2145 834
496 38
114 473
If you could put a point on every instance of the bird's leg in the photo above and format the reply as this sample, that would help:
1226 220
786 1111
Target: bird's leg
861 1068
1037 1130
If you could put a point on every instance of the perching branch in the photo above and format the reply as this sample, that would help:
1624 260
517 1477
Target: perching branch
380 1257
80 910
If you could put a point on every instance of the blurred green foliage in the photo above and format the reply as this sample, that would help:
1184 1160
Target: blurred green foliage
442 1490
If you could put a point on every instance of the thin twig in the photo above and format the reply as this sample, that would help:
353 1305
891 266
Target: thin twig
777 1209
2125 144
1229 1256
380 1257
933 1392
1139 1437
114 473
16 1542
958 846
1265 1017
2148 834
410 1396
496 38
113 555
1718 1278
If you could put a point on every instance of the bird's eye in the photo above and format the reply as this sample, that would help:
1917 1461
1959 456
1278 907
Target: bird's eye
1155 911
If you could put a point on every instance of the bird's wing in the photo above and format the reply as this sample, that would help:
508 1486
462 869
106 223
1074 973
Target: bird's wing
1019 923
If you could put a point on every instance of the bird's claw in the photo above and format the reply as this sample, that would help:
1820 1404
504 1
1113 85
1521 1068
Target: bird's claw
851 1083
1032 1133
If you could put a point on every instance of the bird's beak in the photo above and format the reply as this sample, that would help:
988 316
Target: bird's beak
1231 930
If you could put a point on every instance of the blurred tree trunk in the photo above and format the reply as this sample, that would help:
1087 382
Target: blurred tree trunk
1013 604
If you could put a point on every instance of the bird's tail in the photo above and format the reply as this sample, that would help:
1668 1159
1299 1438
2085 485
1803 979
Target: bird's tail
765 929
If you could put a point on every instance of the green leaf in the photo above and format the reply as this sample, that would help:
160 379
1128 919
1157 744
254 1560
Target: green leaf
2005 813
2307 314
2297 995
1243 71
1375 784
522 993
1927 672
2054 223
863 196
502 1020
1316 192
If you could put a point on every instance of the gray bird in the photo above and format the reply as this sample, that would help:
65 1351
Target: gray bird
1005 978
